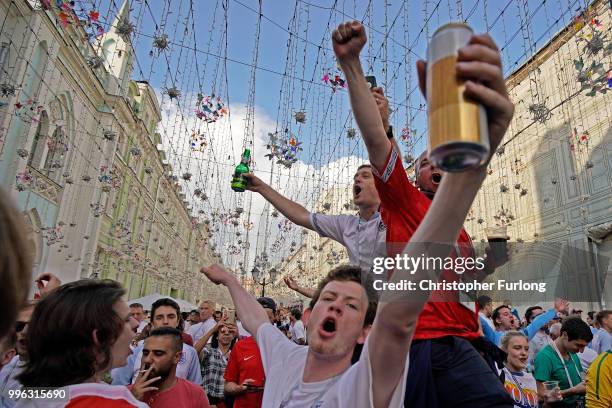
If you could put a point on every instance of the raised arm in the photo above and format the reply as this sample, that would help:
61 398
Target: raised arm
294 212
201 343
492 335
292 284
250 312
560 305
348 40
398 311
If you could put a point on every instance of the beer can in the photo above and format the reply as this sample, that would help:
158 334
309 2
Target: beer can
458 131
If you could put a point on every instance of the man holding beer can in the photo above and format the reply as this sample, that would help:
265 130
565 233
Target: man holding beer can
445 369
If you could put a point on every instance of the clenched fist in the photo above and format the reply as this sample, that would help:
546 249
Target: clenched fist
217 274
348 40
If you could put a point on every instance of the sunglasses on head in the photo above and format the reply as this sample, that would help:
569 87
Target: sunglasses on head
19 326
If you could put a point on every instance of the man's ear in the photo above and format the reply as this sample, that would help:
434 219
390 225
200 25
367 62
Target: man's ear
364 334
7 356
177 357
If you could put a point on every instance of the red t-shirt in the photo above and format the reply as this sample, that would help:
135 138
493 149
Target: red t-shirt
403 207
184 394
245 362
100 395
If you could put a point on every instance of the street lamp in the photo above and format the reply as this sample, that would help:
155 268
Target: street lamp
264 279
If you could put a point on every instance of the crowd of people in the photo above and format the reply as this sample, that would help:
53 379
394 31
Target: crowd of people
351 346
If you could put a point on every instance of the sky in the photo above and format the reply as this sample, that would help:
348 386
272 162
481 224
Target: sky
214 45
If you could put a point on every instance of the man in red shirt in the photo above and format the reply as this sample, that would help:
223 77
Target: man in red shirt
445 370
244 375
157 383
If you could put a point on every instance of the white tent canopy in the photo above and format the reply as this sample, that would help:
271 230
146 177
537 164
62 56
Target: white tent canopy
148 300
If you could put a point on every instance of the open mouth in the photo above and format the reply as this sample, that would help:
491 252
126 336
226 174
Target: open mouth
329 326
356 190
436 178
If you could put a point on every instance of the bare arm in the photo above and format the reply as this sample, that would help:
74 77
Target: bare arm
294 212
292 284
199 346
398 312
348 40
250 312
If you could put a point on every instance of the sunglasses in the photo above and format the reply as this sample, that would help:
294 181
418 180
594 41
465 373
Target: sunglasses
19 326
224 331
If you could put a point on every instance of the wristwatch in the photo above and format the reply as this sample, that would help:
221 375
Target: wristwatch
390 132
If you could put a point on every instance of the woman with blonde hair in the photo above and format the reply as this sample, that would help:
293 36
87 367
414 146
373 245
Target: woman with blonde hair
520 384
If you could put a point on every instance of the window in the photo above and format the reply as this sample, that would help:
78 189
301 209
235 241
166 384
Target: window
37 152
4 59
57 147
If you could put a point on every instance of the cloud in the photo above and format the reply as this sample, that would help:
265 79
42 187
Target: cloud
212 171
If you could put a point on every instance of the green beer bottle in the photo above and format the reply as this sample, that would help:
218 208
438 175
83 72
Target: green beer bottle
239 183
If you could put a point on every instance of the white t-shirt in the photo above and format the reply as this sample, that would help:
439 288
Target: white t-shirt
522 388
363 240
297 331
141 326
197 331
8 381
284 363
242 332
537 343
586 358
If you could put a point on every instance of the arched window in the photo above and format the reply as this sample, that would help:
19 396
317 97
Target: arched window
56 158
36 70
106 49
37 151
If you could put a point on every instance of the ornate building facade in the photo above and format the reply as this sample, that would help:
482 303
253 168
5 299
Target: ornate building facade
79 154
551 181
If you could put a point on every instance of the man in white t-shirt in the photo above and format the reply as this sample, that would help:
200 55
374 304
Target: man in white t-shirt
363 235
138 313
296 327
321 374
207 322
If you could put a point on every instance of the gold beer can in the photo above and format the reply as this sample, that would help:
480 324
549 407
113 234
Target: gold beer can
458 131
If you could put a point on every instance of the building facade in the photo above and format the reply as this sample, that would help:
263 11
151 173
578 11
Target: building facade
551 180
79 154
550 183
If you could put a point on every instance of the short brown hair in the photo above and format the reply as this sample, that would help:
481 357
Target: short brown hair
15 264
60 343
351 273
602 315
363 166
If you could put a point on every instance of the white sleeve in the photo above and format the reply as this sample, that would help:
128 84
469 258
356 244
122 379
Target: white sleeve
355 387
329 226
193 329
274 346
298 330
194 373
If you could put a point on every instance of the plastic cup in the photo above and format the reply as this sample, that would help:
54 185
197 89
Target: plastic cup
552 390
